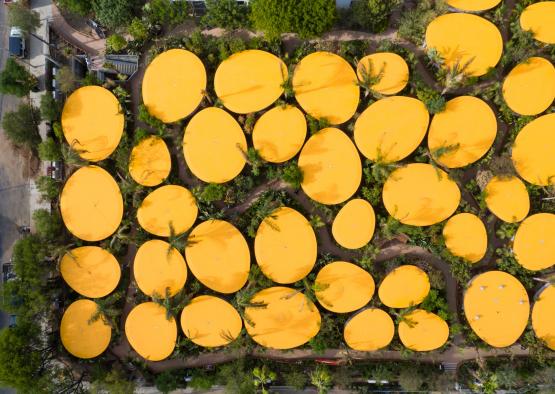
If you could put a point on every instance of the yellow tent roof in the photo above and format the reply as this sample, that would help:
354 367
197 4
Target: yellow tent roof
218 256
289 319
496 307
150 162
249 81
211 138
462 38
534 244
420 195
473 5
92 121
81 338
394 70
91 204
423 331
285 246
463 132
382 135
354 224
149 331
405 286
326 87
540 19
507 198
368 330
465 236
166 207
91 271
174 85
543 318
279 134
331 167
210 321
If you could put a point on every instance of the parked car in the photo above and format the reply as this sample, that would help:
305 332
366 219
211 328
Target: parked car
17 45
97 28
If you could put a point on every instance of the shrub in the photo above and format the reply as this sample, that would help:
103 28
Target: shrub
48 225
66 79
138 29
166 382
212 192
114 13
16 80
293 175
49 150
81 7
225 13
372 15
433 100
115 43
49 107
166 12
49 188
21 126
21 16
413 23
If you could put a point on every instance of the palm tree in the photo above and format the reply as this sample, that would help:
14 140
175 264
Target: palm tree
262 377
369 78
165 302
178 241
455 75
321 379
287 83
107 310
243 300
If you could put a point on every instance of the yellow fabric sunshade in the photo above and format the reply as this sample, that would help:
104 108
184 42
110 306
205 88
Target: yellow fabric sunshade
91 271
326 87
150 162
279 134
218 256
534 244
92 121
465 236
473 5
463 132
285 246
354 224
91 204
150 332
540 19
383 135
423 331
289 319
211 138
331 167
465 39
543 318
80 337
420 195
507 198
166 207
369 330
249 81
210 321
405 286
392 67
174 85
496 306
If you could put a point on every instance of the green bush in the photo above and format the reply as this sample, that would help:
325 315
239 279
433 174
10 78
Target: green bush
227 14
293 175
212 192
49 188
114 13
138 29
116 43
433 100
81 7
166 12
372 15
166 382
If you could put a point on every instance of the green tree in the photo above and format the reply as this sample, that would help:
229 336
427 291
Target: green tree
225 13
49 107
115 43
295 379
372 15
114 13
212 192
21 16
166 382
66 79
81 7
16 80
48 225
433 100
166 12
49 150
263 376
48 187
410 379
321 379
22 126
412 25
293 175
138 29
113 382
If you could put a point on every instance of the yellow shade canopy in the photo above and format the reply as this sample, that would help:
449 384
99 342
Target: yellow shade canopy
423 331
174 85
392 69
150 162
496 306
211 138
279 134
92 121
150 332
80 336
91 271
354 224
420 195
331 167
543 316
369 330
463 132
382 135
289 319
249 81
507 198
209 321
168 207
326 87
285 246
218 256
405 286
91 204
540 19
534 244
465 39
473 5
465 236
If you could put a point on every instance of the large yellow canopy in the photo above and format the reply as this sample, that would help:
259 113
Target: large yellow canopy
368 330
150 162
423 331
543 316
540 19
405 286
354 224
534 244
507 198
473 5
392 69
465 236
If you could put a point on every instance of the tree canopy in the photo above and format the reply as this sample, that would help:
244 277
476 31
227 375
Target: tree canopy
225 13
372 15
21 126
49 107
81 7
15 79
114 13
21 16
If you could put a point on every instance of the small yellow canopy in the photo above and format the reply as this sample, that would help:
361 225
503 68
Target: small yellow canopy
285 246
289 319
423 331
91 204
405 286
473 5
218 256
540 19
507 198
465 236
534 244
543 316
150 162
369 330
392 67
354 224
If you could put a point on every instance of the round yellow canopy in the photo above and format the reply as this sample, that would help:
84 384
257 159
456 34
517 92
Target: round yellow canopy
150 162
91 204
150 332
462 133
249 81
279 134
331 167
420 195
507 198
80 336
392 70
210 321
383 135
423 331
174 85
543 318
540 19
159 269
369 330
465 40
285 246
211 138
465 236
405 286
496 306
92 121
354 224
168 207
534 244
287 320
473 5
218 256
326 87
91 271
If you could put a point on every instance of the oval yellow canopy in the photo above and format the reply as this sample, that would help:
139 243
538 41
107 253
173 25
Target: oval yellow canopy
465 236
405 286
391 70
423 331
507 198
473 5
540 19
369 330
543 318
534 244
354 224
150 162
